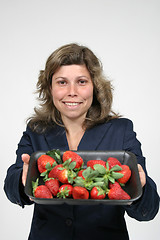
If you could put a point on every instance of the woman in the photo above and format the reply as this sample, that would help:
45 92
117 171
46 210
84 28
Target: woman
76 114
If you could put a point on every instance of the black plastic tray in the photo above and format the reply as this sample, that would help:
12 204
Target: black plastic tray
132 187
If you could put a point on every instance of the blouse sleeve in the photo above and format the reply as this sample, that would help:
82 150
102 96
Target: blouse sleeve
145 208
13 186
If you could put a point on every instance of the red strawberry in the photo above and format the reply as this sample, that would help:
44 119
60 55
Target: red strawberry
97 193
63 176
105 173
53 185
80 173
55 171
66 174
65 190
112 162
117 193
86 178
42 162
126 172
91 163
41 191
74 157
80 193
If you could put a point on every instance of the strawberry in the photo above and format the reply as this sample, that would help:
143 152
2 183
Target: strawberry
116 192
65 190
126 174
107 175
74 157
53 185
55 171
43 161
80 173
63 176
97 193
112 162
91 163
67 173
88 178
66 176
80 193
41 191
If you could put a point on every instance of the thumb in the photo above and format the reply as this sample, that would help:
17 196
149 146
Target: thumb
25 158
142 175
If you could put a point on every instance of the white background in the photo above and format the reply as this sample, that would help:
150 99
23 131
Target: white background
124 34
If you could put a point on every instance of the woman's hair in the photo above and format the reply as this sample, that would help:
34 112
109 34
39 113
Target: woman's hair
100 111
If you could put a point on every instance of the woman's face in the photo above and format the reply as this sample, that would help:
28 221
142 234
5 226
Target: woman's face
72 91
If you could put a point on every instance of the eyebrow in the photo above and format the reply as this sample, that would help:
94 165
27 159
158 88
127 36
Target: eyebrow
67 78
60 77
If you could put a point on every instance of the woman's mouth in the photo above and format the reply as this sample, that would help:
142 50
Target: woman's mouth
71 103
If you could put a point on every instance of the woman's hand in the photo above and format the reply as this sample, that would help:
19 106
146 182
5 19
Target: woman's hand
25 159
142 175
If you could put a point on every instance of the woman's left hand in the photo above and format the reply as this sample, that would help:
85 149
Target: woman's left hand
142 175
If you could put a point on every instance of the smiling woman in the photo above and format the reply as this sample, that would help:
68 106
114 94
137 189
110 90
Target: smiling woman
72 80
76 114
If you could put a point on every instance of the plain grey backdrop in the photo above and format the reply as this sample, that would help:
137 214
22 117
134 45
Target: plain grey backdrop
124 34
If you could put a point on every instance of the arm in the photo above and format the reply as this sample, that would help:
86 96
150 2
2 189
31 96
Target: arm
13 187
145 208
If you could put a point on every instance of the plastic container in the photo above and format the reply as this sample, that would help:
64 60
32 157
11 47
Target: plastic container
132 187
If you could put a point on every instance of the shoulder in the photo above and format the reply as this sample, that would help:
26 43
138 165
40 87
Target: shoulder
38 132
39 128
121 122
115 124
121 125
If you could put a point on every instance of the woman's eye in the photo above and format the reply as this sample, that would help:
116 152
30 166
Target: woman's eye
82 82
62 82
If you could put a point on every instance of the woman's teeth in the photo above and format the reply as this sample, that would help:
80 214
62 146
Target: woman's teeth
71 104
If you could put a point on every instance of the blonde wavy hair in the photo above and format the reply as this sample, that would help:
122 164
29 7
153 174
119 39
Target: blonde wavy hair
46 115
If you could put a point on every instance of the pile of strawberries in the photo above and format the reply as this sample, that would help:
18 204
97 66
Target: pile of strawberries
66 176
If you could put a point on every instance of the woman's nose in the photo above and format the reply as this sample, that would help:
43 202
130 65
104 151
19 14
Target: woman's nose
72 90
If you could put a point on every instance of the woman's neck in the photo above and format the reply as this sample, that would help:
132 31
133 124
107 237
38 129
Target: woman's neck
74 133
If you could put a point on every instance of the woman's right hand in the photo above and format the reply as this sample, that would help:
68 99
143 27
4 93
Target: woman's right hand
25 159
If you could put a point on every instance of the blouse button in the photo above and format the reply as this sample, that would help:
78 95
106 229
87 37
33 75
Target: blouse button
69 222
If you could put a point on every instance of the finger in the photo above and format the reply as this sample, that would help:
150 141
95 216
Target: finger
142 175
140 169
24 173
25 158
